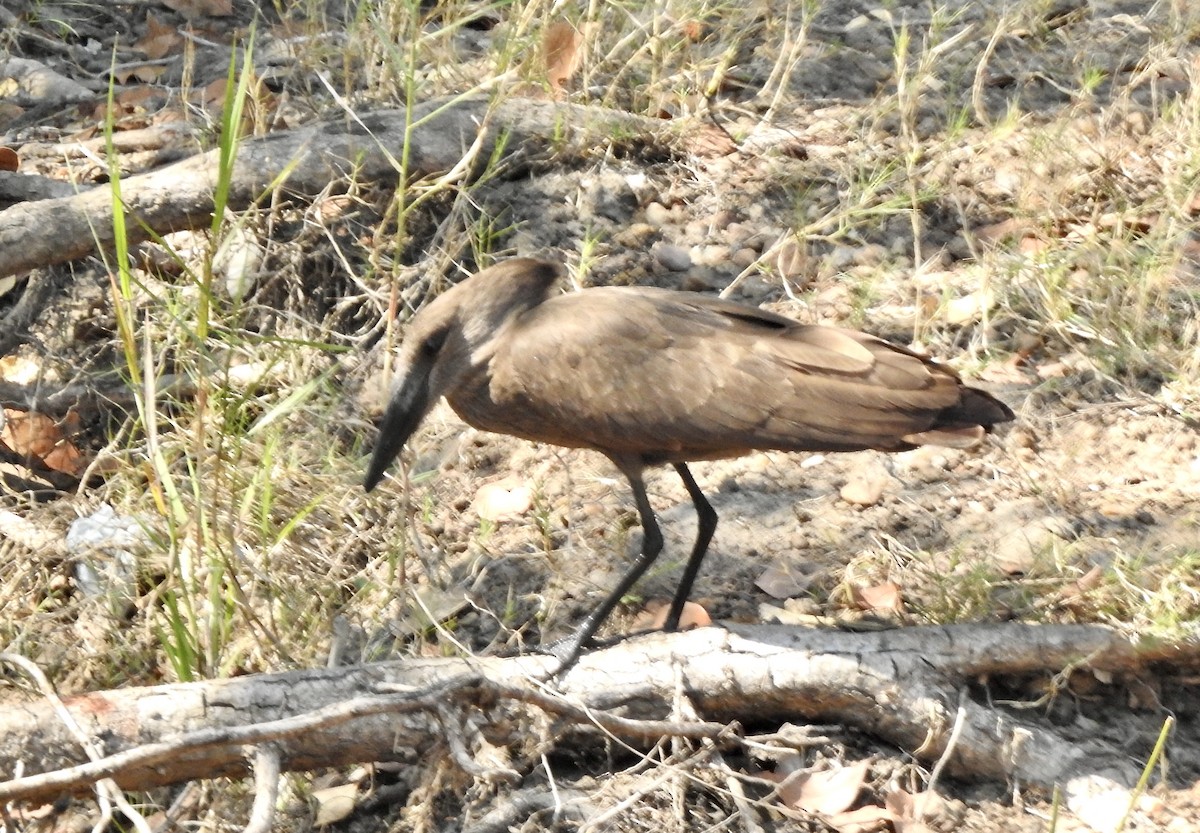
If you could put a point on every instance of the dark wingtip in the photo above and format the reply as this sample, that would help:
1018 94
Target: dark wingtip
975 407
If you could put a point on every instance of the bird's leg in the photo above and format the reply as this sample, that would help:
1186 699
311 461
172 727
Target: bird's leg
652 543
707 526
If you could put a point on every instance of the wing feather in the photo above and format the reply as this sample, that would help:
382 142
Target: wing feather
677 376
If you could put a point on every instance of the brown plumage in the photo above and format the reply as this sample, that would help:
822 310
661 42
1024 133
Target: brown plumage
650 376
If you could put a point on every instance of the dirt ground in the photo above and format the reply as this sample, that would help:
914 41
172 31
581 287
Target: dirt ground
955 236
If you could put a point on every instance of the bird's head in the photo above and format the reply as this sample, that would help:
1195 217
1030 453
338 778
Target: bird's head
452 337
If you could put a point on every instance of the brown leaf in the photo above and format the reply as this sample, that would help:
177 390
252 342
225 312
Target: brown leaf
37 436
9 160
881 598
654 616
145 74
9 112
335 803
828 792
909 810
563 51
258 102
161 39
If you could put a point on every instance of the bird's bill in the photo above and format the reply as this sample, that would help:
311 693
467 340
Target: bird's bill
408 406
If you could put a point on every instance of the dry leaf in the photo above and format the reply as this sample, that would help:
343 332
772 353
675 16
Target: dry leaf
969 308
19 371
1089 580
780 583
9 112
654 616
881 598
9 160
161 39
259 102
563 49
144 74
335 803
828 792
35 435
910 811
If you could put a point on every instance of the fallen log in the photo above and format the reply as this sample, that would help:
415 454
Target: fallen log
904 686
305 160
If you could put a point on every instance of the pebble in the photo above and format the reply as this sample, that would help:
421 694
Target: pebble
743 258
714 255
658 214
636 236
738 233
1020 549
697 230
701 280
723 219
867 483
871 254
755 289
841 258
671 256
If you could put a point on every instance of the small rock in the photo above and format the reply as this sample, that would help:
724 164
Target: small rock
636 236
744 258
658 214
755 289
714 255
865 490
697 230
503 500
671 256
969 308
1020 549
782 583
871 254
738 233
722 220
700 280
841 258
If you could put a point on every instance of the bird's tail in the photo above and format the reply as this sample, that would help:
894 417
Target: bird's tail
963 425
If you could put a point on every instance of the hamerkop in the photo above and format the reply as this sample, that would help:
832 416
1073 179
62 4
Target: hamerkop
651 376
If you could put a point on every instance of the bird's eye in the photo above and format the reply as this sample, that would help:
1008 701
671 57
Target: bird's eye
433 345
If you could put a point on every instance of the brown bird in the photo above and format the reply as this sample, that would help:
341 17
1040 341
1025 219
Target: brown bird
651 376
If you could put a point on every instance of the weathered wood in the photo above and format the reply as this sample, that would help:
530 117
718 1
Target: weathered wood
180 196
901 685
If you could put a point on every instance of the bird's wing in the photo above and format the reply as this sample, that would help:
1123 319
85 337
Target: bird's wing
680 376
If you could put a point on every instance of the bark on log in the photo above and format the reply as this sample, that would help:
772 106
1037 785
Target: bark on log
180 196
902 686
